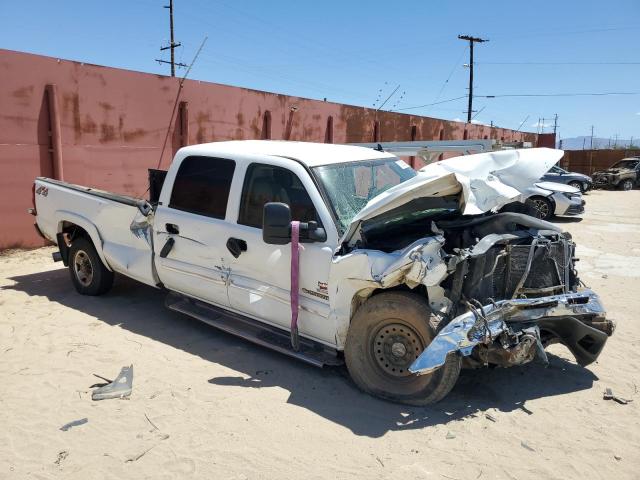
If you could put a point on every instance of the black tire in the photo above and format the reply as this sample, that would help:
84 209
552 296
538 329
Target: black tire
88 274
626 184
383 323
541 207
578 185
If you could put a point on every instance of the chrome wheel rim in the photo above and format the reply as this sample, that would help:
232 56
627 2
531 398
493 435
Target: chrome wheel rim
542 208
395 347
627 185
83 268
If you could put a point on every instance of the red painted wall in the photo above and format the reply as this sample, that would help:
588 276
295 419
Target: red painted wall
113 123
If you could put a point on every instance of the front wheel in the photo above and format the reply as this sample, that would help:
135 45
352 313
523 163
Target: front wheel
577 185
626 184
88 274
385 337
542 207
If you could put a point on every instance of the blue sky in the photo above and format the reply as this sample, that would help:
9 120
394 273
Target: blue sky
356 51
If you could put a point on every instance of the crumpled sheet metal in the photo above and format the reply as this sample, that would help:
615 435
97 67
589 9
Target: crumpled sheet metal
487 181
466 331
120 388
419 263
491 180
362 271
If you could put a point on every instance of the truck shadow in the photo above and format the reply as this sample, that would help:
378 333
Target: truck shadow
558 219
327 392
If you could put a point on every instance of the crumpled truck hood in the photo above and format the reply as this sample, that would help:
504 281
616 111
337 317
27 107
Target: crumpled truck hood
486 181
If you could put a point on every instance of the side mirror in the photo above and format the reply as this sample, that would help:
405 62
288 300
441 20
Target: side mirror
311 232
276 223
276 226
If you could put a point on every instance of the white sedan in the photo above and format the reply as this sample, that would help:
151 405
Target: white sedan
548 198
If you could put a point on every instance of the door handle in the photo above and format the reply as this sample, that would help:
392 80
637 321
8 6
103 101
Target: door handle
236 246
168 246
172 228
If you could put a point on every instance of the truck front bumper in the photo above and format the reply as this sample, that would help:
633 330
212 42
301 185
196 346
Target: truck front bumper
578 320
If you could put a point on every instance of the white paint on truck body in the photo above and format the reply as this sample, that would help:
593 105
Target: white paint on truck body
256 283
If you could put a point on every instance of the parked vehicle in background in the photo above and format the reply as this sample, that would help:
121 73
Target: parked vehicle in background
543 200
404 276
624 174
557 174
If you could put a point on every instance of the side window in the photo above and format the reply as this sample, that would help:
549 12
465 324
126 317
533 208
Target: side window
268 183
202 186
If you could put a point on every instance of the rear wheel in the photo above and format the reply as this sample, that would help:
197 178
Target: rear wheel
386 335
89 275
542 207
626 184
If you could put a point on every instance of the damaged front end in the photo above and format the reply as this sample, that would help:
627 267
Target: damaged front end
501 286
513 293
512 332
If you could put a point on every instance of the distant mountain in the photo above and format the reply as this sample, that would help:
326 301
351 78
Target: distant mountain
579 143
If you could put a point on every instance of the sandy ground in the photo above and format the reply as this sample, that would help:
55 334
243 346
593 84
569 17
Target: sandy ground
208 405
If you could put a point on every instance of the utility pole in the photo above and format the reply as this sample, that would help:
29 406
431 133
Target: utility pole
555 123
172 44
591 147
471 41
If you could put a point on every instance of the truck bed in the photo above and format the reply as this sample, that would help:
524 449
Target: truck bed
116 197
111 220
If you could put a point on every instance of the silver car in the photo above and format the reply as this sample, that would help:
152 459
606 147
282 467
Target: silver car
546 199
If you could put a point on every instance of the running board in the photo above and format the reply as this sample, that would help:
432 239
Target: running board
311 352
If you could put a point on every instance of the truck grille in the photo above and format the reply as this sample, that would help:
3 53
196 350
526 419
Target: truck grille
546 274
498 274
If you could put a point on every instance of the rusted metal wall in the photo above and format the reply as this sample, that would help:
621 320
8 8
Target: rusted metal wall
546 140
104 127
589 161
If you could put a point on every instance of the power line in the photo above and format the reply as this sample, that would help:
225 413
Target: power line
471 41
597 94
455 66
557 63
431 104
524 95
478 112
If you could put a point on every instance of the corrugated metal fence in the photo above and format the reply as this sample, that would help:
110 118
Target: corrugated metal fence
589 161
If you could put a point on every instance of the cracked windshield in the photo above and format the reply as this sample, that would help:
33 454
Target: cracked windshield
350 186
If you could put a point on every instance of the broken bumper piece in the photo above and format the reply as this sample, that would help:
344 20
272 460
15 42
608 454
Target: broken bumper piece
576 319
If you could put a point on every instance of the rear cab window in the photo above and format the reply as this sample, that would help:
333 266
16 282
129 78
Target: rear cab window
202 186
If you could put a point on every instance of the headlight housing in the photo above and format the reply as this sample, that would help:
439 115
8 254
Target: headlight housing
572 196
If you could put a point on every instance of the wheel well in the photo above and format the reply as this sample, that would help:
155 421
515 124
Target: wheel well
363 295
65 237
72 231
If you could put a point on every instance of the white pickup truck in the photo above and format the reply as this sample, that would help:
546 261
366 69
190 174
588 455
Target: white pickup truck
404 276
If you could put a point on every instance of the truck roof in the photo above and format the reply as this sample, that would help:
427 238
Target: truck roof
311 154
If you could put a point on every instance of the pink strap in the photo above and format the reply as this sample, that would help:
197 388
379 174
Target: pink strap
295 270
